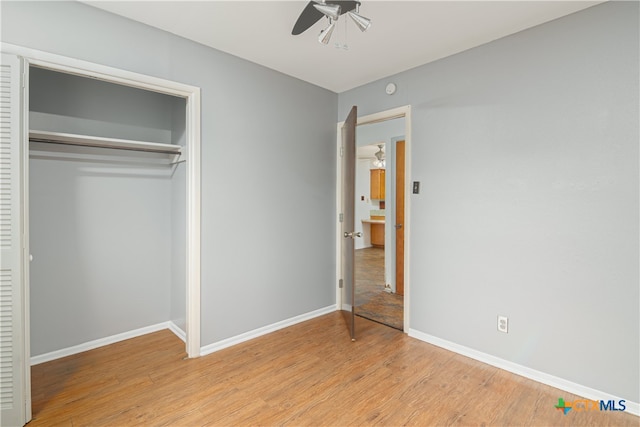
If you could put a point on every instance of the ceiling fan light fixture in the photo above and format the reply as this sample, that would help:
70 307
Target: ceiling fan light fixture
315 10
333 11
380 157
362 22
325 35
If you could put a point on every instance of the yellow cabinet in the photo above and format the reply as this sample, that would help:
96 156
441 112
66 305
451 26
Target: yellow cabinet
377 234
377 184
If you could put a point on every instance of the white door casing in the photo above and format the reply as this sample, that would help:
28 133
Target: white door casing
192 96
15 381
404 111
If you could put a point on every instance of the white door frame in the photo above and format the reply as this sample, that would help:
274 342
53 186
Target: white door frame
192 96
395 113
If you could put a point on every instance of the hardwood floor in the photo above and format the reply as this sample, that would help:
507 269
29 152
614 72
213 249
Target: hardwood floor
307 374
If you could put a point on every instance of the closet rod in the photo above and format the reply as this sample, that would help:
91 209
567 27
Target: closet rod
100 142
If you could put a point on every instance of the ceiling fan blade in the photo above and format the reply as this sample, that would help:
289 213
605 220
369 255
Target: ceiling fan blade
310 15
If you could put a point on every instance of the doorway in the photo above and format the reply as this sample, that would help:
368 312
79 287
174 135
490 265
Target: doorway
118 236
379 264
381 288
18 381
191 107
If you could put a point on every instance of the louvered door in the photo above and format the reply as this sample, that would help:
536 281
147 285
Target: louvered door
14 399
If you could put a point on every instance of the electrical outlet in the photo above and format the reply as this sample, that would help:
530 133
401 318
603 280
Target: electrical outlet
503 324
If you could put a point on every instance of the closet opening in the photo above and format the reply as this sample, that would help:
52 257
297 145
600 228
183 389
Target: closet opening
110 195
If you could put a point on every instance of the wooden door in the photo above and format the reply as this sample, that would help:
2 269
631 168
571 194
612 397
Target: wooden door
399 219
348 219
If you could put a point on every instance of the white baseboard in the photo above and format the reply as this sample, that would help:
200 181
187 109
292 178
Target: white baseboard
47 357
178 331
216 346
541 377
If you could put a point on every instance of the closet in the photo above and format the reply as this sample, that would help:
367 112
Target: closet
107 210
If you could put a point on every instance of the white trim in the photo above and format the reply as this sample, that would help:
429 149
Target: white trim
193 225
394 113
103 72
212 348
177 331
532 374
382 116
407 216
192 95
101 342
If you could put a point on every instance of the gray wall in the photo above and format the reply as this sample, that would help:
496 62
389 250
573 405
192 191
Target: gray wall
260 129
527 150
101 247
72 104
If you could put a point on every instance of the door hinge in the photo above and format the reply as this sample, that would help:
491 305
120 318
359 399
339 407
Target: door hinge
341 151
341 217
340 283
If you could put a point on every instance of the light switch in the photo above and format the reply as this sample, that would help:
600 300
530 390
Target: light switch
416 187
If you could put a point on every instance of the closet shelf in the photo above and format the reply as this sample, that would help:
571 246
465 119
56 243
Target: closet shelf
100 142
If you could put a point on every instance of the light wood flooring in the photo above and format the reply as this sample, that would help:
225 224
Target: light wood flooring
307 374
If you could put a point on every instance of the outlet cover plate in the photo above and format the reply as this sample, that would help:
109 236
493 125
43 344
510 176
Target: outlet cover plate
503 324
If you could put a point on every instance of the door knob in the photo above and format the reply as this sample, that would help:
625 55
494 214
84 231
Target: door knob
398 226
353 234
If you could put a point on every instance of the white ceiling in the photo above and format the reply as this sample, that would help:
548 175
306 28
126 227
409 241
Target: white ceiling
403 34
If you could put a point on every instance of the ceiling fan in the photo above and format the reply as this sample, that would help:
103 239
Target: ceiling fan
332 9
